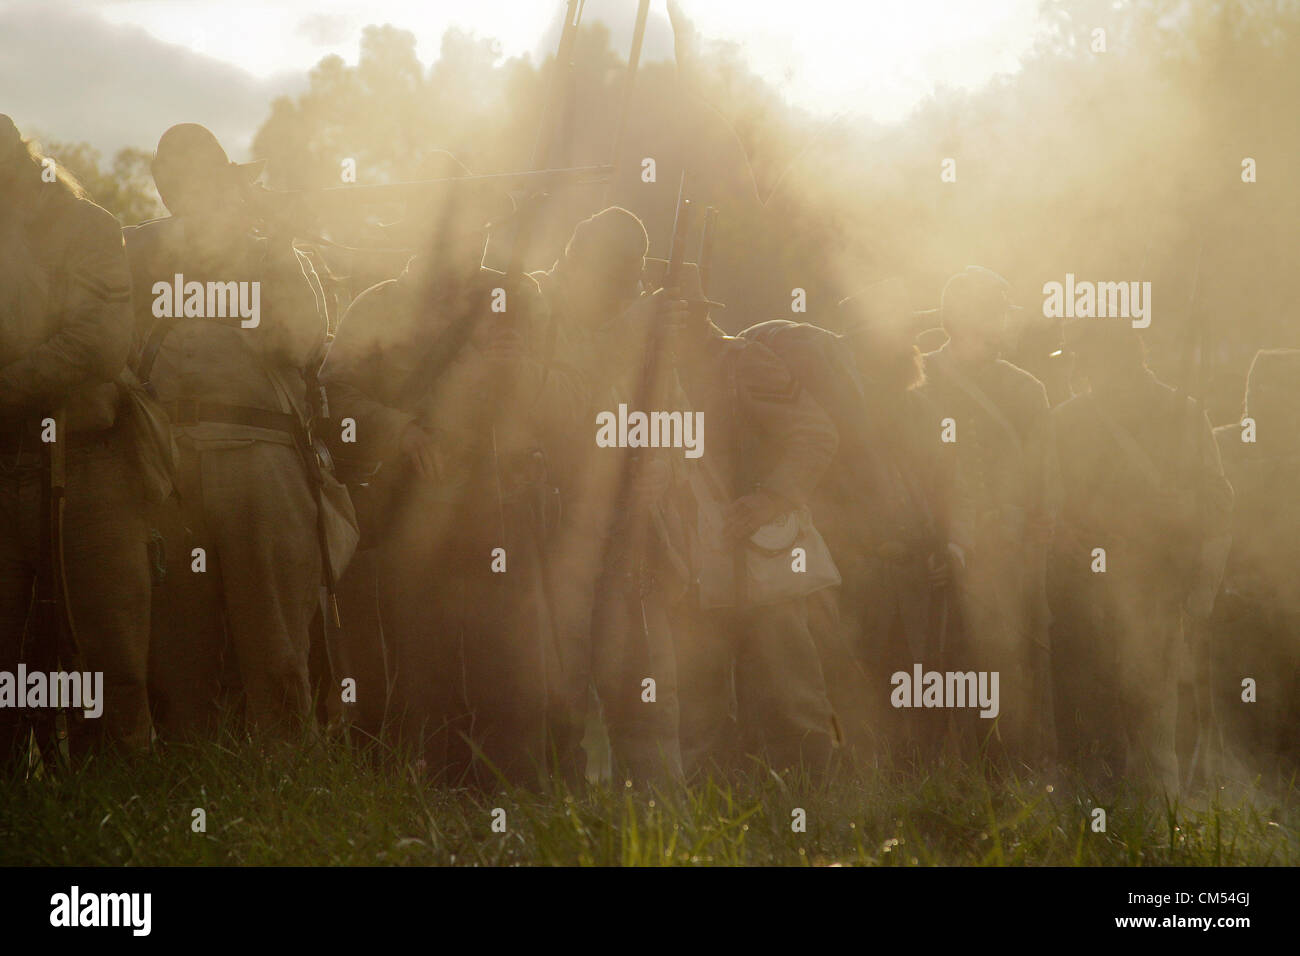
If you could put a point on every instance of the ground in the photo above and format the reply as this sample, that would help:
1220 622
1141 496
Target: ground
335 806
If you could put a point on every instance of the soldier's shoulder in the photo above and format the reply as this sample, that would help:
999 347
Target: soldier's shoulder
81 222
384 294
1024 385
1231 448
1072 409
785 329
761 373
1022 378
150 234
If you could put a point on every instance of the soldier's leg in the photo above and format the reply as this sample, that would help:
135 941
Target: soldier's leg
633 644
417 599
574 567
703 642
188 631
1151 661
19 504
362 653
261 514
506 667
106 563
783 707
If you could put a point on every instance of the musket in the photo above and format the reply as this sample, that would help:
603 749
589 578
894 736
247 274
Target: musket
52 639
705 260
681 228
629 84
635 524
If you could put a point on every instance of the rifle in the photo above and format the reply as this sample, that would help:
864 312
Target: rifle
629 83
705 260
647 393
52 638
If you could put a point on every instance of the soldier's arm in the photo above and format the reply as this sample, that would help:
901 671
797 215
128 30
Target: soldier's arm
93 341
356 372
796 424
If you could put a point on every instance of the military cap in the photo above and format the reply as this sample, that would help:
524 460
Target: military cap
190 151
615 232
976 290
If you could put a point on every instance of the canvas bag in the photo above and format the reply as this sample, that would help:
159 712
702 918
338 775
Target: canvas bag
764 562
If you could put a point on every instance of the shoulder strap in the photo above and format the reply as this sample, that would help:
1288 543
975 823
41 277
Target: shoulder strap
980 398
1129 445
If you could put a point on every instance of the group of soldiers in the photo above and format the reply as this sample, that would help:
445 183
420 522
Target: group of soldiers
386 507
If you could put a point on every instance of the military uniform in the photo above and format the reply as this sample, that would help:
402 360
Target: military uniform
618 572
764 431
999 515
236 397
1141 479
879 508
474 656
65 334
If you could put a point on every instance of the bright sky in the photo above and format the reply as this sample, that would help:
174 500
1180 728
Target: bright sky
877 57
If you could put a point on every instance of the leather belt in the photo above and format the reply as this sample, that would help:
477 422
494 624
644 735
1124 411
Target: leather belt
193 412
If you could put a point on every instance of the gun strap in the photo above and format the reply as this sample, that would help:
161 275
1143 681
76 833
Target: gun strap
1129 445
975 393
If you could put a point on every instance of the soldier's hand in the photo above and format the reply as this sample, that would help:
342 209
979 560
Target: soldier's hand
746 515
419 449
661 310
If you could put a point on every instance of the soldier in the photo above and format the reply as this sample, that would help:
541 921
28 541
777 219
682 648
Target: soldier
228 322
768 444
441 371
1139 547
614 583
878 506
65 334
993 420
1256 624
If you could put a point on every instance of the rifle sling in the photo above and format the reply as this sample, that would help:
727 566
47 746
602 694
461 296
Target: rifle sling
976 394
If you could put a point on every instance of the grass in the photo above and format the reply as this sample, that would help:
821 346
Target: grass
334 805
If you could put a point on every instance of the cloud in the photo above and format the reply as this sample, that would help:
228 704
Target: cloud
325 29
70 75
